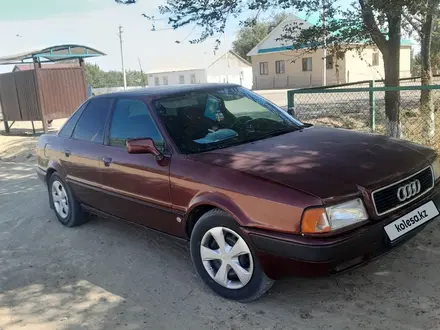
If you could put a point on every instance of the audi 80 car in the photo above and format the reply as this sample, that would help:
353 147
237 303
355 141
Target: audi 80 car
259 194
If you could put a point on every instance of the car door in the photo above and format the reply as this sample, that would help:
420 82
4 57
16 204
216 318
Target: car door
137 185
82 152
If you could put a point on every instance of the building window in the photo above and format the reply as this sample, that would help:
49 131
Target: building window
307 64
181 79
264 68
329 62
156 81
375 59
279 67
193 79
165 80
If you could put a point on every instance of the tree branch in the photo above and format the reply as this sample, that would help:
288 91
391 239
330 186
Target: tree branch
409 19
371 25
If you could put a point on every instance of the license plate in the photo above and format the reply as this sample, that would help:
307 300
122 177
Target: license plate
412 220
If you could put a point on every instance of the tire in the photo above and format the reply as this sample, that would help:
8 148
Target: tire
60 196
252 283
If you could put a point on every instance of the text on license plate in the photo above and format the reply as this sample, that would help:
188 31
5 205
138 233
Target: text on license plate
412 220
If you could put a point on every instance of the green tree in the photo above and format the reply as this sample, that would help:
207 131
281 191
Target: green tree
253 32
136 78
99 78
94 75
421 18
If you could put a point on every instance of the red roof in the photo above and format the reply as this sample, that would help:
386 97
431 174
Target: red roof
30 66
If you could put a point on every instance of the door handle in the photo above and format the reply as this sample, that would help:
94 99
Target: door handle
67 152
106 161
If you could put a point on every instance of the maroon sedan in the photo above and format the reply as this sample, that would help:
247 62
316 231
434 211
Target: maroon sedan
259 194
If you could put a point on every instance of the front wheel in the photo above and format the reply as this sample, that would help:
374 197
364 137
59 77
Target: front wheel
224 260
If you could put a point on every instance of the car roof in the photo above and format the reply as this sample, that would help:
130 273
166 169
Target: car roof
165 90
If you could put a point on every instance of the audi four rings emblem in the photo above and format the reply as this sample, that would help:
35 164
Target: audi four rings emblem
409 190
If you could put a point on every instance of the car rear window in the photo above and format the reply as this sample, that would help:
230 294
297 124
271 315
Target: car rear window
67 129
91 124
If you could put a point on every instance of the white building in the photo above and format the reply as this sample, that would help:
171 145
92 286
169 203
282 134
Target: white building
276 65
228 68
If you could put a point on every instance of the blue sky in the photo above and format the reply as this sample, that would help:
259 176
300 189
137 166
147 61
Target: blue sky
33 24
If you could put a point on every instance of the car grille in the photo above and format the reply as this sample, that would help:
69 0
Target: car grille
386 199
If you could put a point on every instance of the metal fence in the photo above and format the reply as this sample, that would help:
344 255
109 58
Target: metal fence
363 109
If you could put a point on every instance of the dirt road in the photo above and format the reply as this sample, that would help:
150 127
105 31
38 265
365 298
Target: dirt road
110 275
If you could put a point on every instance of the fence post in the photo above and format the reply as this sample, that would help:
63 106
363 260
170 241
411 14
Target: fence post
290 102
5 122
372 107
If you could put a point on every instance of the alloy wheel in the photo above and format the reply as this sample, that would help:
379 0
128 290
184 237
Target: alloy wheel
60 199
226 257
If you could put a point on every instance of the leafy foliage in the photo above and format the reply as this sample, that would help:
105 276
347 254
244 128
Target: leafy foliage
99 78
251 34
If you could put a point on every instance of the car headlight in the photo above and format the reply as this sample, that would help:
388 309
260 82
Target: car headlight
436 168
323 220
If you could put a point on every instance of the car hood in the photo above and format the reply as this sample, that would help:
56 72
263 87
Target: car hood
325 162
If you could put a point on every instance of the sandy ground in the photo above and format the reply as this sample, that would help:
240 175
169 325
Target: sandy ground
111 275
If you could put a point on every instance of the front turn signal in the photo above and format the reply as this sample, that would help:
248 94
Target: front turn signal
315 221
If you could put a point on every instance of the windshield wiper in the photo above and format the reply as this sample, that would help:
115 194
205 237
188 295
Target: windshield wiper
275 132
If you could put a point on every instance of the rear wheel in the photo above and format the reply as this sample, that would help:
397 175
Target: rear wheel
67 208
224 260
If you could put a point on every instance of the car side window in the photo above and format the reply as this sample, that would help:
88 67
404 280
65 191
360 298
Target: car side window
131 120
67 129
91 124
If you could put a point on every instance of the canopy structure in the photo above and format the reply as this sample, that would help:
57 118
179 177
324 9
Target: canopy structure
52 54
47 92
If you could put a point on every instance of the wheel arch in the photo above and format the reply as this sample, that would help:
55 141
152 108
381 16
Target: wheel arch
205 202
53 167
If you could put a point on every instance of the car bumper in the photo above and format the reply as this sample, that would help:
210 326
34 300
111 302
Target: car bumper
283 255
41 174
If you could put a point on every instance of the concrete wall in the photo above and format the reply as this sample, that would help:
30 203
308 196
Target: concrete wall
173 77
230 69
360 67
351 68
405 62
294 76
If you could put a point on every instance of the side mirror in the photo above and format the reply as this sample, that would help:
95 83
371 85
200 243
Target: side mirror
143 146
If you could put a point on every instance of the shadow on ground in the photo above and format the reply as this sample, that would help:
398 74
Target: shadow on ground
111 275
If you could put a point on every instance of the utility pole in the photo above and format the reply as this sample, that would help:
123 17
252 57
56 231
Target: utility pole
122 56
144 84
324 50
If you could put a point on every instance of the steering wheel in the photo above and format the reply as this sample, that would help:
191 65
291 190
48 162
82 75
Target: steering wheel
256 123
241 121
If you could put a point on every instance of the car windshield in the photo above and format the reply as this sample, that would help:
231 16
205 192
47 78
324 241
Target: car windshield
218 118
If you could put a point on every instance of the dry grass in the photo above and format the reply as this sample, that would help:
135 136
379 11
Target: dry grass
412 125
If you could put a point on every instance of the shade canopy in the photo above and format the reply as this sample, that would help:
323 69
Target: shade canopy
52 54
